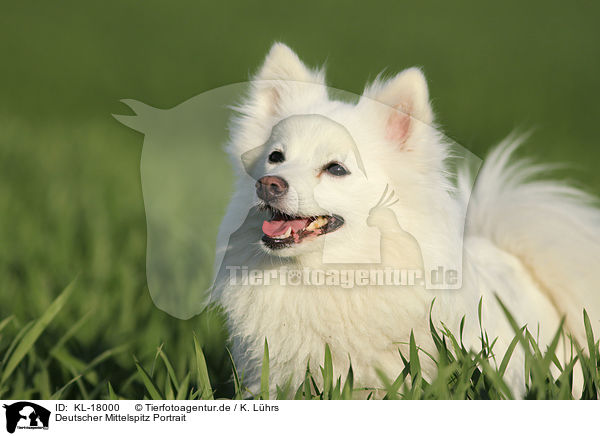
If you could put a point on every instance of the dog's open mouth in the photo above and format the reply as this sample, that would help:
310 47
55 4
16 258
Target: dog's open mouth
283 230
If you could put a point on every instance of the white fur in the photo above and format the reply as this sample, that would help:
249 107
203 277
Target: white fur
533 243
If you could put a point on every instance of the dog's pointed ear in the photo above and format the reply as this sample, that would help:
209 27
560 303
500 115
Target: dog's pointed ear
406 98
281 83
282 63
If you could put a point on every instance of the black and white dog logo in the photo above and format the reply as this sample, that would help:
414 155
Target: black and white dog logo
26 415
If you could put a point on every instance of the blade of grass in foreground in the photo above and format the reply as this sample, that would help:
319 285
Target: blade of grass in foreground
152 389
264 377
111 393
16 340
169 367
35 331
327 371
182 389
202 375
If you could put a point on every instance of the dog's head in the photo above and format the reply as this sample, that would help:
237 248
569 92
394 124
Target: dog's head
319 165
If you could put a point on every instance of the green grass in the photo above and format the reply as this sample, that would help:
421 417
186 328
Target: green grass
70 195
28 371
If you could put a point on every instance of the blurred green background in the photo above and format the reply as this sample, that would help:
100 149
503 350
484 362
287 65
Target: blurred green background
70 193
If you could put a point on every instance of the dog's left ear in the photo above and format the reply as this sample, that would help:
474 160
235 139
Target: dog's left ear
406 100
283 83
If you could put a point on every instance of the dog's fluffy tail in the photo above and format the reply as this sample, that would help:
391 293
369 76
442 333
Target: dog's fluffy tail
552 227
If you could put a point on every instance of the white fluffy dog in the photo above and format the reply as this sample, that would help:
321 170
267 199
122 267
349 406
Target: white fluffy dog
316 177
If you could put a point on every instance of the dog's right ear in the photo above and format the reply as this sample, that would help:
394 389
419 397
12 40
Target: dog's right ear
282 86
404 103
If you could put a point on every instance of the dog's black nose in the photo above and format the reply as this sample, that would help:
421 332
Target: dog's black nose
270 188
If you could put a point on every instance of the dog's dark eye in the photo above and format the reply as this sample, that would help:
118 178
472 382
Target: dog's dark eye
276 157
336 169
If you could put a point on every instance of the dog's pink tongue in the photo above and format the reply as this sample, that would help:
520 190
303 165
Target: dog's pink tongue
276 228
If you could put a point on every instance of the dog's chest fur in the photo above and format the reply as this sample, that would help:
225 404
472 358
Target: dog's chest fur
368 324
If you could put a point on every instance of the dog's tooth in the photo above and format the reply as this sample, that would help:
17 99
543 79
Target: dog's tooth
321 221
317 223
